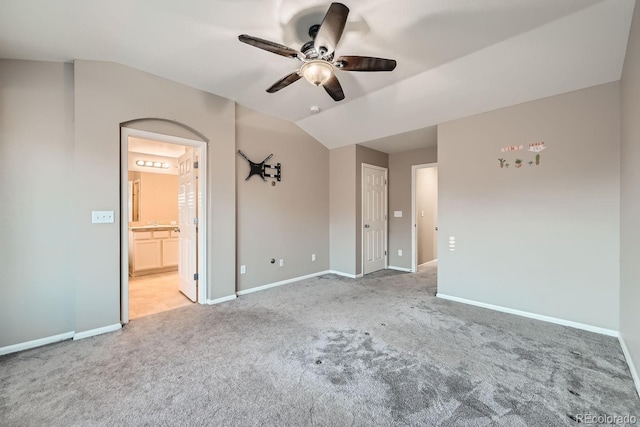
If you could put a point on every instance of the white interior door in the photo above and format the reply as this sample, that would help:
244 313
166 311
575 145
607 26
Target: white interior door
187 220
374 218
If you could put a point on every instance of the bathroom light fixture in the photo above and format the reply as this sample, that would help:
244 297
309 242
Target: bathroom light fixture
150 163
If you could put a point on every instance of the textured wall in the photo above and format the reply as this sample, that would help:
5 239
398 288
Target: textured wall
287 221
542 239
630 198
36 212
342 205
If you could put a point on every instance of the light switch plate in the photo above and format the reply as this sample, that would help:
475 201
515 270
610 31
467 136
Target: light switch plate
243 269
397 214
102 217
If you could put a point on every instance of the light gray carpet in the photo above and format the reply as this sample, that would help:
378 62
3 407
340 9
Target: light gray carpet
328 351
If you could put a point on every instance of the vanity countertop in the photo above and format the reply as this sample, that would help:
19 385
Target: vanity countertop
152 227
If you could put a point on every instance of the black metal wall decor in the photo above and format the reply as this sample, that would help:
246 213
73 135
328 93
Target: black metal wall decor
260 168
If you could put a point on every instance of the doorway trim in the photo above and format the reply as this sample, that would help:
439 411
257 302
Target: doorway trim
414 228
386 215
203 202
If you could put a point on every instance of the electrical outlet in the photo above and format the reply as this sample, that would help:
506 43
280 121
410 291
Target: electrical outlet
243 269
399 252
102 217
281 263
313 257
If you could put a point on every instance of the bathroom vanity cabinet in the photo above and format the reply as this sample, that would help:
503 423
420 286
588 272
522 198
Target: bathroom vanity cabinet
153 250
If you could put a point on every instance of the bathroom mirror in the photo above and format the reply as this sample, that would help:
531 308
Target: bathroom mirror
134 200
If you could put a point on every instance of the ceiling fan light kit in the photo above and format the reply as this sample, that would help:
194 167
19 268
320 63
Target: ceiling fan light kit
317 72
317 55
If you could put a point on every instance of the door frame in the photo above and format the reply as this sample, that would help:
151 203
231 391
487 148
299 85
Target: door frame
386 215
203 202
414 224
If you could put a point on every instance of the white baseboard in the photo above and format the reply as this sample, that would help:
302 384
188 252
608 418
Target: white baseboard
282 282
406 270
563 322
97 331
219 300
35 343
632 366
350 276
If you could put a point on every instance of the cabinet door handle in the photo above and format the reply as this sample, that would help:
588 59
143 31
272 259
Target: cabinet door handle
177 229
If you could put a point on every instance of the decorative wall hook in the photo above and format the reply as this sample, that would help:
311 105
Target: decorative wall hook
260 168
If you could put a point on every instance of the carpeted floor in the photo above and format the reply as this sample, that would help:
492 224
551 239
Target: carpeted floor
328 351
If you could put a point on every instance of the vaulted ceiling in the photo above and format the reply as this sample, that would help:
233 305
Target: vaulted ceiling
455 57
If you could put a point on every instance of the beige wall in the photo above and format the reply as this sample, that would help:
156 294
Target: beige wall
400 229
426 214
370 157
36 212
106 95
342 206
158 197
630 202
287 221
540 239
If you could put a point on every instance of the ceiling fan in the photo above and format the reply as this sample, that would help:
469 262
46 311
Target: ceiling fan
317 56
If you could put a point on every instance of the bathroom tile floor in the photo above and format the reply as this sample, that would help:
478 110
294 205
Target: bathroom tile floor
154 293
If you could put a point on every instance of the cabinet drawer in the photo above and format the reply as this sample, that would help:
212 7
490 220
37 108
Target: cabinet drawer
174 233
141 235
161 234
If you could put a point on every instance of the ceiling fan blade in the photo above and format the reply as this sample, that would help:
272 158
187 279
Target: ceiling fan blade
284 82
364 63
333 88
270 46
331 29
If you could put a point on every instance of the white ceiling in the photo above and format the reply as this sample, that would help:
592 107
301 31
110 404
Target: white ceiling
156 148
455 57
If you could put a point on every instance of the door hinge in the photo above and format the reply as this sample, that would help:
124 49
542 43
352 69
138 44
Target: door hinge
385 253
195 165
385 181
195 221
195 276
385 217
